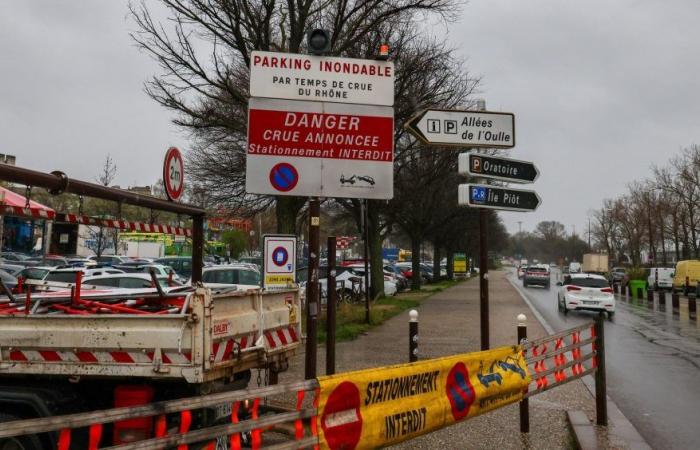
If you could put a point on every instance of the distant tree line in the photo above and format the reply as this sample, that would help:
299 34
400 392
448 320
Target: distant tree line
659 215
548 243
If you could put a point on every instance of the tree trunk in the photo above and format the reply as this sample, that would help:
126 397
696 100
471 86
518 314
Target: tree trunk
450 264
286 211
375 251
436 260
676 239
415 264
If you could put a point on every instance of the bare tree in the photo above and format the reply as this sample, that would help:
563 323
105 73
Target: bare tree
99 238
204 53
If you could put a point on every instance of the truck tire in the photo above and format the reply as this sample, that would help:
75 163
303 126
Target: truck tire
26 442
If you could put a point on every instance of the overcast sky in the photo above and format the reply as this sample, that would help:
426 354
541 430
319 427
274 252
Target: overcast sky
601 91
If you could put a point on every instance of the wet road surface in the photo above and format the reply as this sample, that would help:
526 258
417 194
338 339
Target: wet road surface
653 364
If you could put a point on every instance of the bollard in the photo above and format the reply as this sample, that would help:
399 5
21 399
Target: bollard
629 291
413 336
662 301
650 298
640 293
524 404
675 303
693 308
601 402
616 288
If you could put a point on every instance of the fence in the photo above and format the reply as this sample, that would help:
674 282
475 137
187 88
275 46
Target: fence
363 409
564 357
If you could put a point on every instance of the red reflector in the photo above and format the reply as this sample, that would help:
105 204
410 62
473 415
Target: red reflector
573 288
133 429
607 290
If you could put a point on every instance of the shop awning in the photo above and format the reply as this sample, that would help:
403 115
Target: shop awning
14 204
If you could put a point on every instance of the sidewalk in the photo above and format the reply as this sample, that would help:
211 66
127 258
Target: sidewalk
449 324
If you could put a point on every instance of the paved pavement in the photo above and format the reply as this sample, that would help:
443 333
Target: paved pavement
449 324
653 364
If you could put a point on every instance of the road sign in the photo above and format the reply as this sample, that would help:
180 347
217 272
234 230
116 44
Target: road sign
279 260
321 78
505 169
494 197
174 174
464 128
316 149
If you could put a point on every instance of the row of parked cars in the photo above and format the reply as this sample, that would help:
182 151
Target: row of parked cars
121 272
683 277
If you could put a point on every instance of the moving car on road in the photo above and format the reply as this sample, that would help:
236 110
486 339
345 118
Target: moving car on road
538 275
521 271
585 292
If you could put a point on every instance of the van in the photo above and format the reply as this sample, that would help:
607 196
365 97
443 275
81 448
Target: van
660 278
574 267
686 270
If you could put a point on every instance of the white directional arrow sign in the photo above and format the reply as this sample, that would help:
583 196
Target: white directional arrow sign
464 128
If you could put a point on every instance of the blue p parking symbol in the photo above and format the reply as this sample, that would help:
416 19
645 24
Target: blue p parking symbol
478 194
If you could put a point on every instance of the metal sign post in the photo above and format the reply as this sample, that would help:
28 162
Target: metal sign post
312 288
279 260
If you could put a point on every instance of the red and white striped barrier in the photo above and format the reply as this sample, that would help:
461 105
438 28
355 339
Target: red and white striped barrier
124 225
281 337
34 213
225 349
117 357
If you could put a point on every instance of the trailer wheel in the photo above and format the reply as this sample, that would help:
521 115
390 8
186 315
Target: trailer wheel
27 442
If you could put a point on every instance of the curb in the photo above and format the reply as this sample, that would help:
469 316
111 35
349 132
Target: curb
623 428
583 430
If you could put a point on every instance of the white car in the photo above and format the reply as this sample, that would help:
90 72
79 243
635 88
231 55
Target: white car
125 280
240 276
660 278
69 275
585 292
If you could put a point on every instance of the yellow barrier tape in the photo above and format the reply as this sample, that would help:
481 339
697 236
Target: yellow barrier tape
383 406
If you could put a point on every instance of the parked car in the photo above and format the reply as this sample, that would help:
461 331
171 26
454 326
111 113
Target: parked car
401 280
14 256
68 275
181 264
537 276
660 278
48 260
585 292
126 281
109 260
12 269
9 280
34 273
617 275
239 276
390 282
686 276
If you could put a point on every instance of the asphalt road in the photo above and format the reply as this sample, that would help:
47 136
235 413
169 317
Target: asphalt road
653 365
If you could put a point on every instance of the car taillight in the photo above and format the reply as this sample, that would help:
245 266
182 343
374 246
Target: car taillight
607 290
573 288
133 429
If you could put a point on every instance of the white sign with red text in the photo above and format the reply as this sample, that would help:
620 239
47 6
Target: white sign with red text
320 78
318 149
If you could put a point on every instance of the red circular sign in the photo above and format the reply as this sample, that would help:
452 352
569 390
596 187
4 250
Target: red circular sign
174 174
460 391
284 177
341 420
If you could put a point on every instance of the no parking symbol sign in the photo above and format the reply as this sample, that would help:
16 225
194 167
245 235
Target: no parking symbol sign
279 261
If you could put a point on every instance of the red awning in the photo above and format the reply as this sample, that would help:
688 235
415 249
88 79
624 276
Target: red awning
14 204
